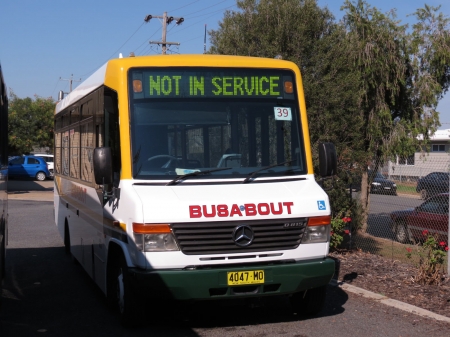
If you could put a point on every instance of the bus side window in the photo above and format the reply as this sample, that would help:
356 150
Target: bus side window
112 138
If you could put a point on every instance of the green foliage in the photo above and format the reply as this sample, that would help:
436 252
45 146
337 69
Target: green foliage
339 230
371 85
30 123
432 256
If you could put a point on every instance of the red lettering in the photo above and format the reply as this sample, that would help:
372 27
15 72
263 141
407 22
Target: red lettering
209 215
250 209
279 211
288 206
195 211
222 210
265 211
235 210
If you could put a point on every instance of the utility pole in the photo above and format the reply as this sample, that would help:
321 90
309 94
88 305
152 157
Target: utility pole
165 21
70 81
204 42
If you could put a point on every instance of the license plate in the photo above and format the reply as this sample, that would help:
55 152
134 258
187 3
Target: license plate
387 188
245 277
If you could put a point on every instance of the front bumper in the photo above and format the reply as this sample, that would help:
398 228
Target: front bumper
211 283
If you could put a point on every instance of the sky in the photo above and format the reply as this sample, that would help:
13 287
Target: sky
46 43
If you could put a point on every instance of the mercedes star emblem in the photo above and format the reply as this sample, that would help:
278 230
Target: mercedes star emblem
243 235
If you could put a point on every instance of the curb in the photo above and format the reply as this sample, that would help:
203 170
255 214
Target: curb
389 301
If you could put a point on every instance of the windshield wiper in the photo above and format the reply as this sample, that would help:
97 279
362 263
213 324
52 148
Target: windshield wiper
266 168
196 173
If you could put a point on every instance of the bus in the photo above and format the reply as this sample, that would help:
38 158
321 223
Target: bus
3 177
190 178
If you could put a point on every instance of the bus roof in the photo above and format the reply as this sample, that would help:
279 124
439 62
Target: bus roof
97 79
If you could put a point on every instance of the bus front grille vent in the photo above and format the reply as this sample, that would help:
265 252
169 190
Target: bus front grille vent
206 238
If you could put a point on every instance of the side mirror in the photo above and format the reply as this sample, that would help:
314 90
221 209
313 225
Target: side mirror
327 159
103 166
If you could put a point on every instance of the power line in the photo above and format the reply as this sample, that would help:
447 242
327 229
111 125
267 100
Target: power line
201 10
127 40
173 10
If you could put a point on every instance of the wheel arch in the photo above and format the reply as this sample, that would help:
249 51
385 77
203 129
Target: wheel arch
116 249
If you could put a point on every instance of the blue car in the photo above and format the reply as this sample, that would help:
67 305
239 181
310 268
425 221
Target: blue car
28 167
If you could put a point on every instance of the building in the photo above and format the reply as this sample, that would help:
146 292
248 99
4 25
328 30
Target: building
437 159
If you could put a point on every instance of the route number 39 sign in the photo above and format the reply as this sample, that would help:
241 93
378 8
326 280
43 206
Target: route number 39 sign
283 114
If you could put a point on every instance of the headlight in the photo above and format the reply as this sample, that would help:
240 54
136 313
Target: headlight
154 237
316 234
317 230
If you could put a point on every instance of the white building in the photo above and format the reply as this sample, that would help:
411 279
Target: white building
422 163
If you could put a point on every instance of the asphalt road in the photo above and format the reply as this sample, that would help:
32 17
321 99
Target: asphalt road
46 294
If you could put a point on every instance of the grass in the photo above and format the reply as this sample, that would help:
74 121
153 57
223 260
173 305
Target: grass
388 249
407 188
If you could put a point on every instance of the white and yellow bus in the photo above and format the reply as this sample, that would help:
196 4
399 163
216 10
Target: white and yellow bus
190 177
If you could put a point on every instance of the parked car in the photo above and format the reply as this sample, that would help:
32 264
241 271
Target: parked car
49 159
380 184
432 215
28 167
432 184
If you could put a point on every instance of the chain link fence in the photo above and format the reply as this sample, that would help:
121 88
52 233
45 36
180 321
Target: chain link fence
408 203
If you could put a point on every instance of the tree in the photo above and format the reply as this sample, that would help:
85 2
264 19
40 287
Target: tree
30 123
307 35
371 85
402 75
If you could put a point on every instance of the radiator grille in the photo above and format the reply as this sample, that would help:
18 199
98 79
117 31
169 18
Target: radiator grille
217 237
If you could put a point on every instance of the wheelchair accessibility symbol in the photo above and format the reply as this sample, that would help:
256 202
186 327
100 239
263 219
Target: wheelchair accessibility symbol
321 205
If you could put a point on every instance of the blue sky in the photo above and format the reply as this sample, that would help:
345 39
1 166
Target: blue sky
43 41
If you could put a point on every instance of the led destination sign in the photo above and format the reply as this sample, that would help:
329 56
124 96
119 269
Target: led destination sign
211 84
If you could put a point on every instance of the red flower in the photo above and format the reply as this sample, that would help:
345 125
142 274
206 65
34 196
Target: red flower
409 249
425 233
446 249
347 231
346 219
442 244
331 233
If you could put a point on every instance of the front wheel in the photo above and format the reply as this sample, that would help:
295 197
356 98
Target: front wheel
121 294
40 176
309 302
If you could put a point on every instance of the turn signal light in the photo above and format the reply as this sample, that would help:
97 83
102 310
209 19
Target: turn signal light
137 86
288 87
319 220
142 228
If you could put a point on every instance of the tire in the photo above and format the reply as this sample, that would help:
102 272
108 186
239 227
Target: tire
51 173
2 265
309 302
401 233
67 240
121 295
40 176
423 194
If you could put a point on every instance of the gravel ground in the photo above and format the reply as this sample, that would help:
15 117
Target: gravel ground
392 279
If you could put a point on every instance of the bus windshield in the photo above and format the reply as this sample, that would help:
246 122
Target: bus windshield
186 120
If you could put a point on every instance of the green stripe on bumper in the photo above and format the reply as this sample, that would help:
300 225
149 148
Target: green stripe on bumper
205 284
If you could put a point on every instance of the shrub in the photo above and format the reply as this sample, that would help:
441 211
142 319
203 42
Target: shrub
431 255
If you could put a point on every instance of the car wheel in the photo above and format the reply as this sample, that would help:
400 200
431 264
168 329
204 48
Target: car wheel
40 176
51 173
309 302
401 233
423 194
